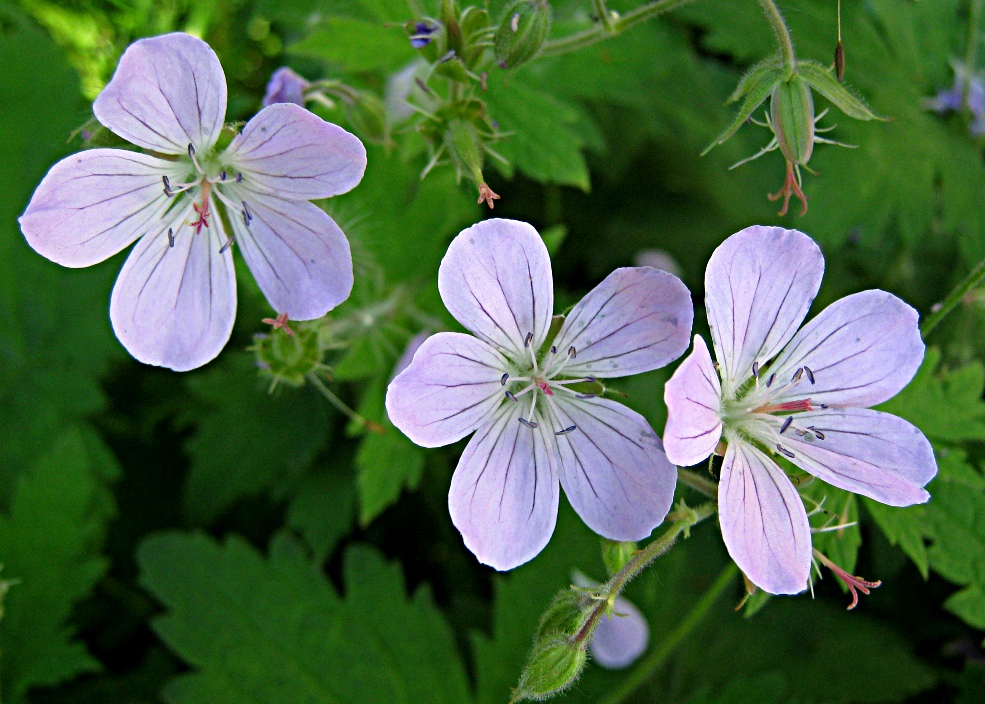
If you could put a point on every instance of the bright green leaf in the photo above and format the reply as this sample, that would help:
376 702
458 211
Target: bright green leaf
356 45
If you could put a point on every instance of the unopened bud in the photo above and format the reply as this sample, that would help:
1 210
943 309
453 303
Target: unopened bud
288 359
554 665
563 617
617 555
792 114
522 31
463 145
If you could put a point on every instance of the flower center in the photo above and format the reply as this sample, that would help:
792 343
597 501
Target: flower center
544 381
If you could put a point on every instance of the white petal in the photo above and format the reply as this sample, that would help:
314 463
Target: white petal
866 452
638 319
693 398
764 523
862 350
93 204
175 306
168 92
496 280
621 638
613 467
291 152
450 388
504 493
758 286
298 255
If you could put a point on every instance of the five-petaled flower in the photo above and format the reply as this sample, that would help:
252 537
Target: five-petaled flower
801 395
174 302
529 399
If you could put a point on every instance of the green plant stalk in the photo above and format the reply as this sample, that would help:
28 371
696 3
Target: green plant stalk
697 482
657 657
616 25
782 35
971 52
603 12
970 282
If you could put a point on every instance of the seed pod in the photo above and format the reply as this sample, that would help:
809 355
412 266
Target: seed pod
554 665
792 113
522 31
840 62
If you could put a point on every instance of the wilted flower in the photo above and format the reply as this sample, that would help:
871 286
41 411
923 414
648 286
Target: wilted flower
531 395
174 302
952 99
285 86
803 395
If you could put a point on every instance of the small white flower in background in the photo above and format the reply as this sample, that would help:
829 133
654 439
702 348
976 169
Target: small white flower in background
621 637
174 302
803 395
529 399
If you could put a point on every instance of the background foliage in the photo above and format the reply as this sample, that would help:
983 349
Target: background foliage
195 539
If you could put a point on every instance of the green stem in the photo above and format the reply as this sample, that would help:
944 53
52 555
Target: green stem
971 52
604 14
954 298
782 34
652 662
697 482
602 31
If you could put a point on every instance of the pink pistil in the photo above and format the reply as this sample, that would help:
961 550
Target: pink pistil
279 322
545 387
790 188
203 211
851 581
804 405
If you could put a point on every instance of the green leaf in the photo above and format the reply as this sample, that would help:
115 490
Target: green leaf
903 526
356 45
969 605
834 507
766 688
543 134
946 404
756 93
49 547
283 432
274 630
323 511
388 462
818 77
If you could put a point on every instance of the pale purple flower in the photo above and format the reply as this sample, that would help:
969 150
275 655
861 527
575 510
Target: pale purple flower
620 637
803 395
530 399
285 86
413 344
174 302
952 99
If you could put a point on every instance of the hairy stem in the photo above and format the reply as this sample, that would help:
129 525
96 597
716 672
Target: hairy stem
971 52
697 482
971 281
782 34
610 26
652 662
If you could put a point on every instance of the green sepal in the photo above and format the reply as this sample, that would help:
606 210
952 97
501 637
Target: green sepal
553 666
475 28
563 617
454 69
753 75
756 92
818 78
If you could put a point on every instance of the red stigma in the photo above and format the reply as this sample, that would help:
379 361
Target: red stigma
545 387
804 405
790 188
280 322
203 211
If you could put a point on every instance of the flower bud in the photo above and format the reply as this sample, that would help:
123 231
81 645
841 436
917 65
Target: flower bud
288 359
466 152
563 617
522 32
553 666
792 114
428 37
616 554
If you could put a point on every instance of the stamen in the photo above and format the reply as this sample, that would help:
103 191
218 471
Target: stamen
818 433
585 395
529 337
769 382
191 151
553 349
510 396
170 238
222 175
784 451
851 581
786 424
229 243
572 352
502 381
239 178
800 432
569 429
246 218
755 370
810 375
246 212
528 423
796 375
824 405
167 186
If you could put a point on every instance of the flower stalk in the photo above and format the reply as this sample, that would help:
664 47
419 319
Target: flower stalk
940 311
782 35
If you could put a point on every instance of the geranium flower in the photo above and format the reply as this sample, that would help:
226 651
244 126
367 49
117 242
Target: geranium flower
801 395
174 302
531 398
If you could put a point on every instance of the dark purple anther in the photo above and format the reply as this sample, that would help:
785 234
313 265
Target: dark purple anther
569 429
529 337
572 352
810 375
229 243
510 396
191 151
170 237
167 186
502 382
222 175
784 451
786 424
755 370
528 423
796 375
239 178
769 382
553 349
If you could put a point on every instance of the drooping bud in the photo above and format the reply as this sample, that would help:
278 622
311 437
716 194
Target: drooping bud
288 359
522 31
553 666
617 554
792 116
